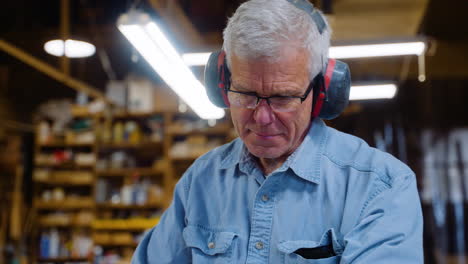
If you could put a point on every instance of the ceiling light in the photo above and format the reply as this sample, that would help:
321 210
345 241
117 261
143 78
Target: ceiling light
341 52
377 50
196 59
147 38
70 48
377 91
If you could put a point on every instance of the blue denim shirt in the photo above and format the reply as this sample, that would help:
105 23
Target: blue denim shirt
333 193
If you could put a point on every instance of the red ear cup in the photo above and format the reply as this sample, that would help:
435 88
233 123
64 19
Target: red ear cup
324 84
333 90
224 76
318 104
329 73
217 79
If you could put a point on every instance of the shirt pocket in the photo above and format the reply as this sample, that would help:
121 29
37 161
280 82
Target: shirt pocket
327 250
209 246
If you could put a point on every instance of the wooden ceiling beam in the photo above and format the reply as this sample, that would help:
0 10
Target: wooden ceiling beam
65 32
370 19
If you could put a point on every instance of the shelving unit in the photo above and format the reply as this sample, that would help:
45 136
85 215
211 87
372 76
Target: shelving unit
141 171
128 180
64 182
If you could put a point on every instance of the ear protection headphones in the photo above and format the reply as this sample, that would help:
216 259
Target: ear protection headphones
330 87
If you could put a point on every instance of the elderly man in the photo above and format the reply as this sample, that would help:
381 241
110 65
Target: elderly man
290 189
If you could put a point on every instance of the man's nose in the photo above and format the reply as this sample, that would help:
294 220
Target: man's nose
263 114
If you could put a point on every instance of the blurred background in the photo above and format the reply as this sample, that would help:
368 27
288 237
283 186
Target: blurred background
96 128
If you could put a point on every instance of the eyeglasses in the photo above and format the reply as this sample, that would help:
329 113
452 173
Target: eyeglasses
278 103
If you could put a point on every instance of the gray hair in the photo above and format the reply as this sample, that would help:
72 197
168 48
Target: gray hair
260 28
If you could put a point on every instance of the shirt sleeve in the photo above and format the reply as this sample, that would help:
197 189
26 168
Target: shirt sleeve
164 243
390 227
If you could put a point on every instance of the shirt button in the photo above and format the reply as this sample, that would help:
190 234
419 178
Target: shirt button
265 198
259 245
211 245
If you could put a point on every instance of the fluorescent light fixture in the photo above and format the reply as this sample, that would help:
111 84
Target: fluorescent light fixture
196 59
153 45
377 50
341 52
70 48
377 91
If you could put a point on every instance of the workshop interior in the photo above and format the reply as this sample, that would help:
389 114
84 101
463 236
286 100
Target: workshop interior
97 124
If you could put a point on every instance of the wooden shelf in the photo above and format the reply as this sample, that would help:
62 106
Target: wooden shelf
128 206
184 158
63 205
137 114
64 225
59 260
145 144
123 172
119 114
88 115
66 145
116 244
64 165
176 131
65 183
121 228
132 224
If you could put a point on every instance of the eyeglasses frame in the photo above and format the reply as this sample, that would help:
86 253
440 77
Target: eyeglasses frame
303 98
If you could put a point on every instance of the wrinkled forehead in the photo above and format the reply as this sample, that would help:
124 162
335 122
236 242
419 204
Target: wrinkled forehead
288 74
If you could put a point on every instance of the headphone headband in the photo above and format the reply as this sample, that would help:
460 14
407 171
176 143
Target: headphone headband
311 11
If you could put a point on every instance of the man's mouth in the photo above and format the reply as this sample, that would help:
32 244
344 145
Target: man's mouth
264 135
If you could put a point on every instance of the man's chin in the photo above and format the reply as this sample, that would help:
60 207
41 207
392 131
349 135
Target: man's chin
265 152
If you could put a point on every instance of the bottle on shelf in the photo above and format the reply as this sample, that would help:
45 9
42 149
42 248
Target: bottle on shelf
54 244
44 245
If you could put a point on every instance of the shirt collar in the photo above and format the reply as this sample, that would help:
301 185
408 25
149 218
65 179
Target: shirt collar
305 160
232 154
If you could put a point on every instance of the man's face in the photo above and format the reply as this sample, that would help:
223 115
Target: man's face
266 133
